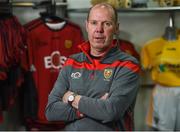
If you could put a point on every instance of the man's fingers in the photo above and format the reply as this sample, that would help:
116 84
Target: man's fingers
66 95
105 96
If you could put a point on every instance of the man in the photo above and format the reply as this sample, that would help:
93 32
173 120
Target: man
97 88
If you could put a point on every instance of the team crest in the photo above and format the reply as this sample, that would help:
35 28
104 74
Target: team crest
68 44
107 73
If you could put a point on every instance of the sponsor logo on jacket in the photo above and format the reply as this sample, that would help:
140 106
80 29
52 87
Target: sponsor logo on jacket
76 75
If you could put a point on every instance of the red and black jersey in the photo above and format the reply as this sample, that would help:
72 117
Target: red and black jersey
12 47
12 44
49 45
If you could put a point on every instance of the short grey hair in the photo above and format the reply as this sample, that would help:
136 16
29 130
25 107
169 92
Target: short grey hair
107 5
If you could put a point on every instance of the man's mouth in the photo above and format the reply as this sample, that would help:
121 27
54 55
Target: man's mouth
99 39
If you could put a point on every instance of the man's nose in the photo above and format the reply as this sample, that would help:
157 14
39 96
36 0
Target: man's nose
100 28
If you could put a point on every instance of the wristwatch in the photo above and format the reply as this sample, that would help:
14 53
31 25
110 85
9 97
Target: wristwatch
71 98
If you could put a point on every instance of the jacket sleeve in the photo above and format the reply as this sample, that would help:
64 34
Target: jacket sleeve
122 95
56 109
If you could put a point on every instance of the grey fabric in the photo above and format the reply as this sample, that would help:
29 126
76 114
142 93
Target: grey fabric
90 82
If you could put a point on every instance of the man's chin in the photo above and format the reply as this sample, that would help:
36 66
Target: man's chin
101 47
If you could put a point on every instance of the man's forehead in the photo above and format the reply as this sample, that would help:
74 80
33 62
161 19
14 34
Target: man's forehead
99 6
105 8
94 15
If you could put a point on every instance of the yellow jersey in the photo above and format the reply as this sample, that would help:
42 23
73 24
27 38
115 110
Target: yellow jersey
162 57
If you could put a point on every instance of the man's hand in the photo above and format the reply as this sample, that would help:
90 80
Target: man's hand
105 96
66 95
75 103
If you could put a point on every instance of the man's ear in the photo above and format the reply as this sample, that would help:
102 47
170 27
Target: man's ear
117 29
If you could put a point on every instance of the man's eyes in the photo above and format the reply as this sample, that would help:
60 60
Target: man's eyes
108 24
93 22
104 23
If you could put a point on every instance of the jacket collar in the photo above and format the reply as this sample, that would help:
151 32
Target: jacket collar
85 48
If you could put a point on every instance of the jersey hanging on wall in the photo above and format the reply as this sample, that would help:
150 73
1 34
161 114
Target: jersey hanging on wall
12 48
49 45
161 57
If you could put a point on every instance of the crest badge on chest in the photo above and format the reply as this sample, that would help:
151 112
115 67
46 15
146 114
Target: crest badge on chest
107 74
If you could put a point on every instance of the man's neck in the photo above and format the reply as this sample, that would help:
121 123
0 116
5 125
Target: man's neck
97 53
95 57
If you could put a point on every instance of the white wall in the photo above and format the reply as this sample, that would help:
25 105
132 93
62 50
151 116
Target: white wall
76 4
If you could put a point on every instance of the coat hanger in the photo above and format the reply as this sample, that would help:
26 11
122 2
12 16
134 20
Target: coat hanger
49 15
170 31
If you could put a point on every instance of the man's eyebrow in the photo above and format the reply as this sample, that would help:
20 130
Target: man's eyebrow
101 21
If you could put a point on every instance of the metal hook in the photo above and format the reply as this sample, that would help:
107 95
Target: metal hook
171 19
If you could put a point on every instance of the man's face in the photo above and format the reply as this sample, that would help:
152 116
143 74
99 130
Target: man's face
100 28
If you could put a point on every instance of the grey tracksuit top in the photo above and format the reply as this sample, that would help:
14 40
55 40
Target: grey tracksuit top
117 74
